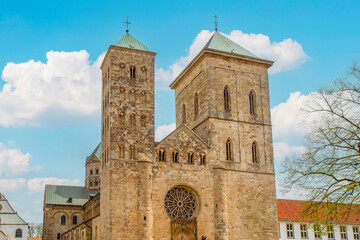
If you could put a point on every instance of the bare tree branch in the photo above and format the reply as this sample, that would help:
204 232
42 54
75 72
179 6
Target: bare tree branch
329 169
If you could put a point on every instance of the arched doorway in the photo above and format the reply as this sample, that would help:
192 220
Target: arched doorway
184 234
181 205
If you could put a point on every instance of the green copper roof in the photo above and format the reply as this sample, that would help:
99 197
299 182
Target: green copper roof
60 195
221 43
96 152
128 41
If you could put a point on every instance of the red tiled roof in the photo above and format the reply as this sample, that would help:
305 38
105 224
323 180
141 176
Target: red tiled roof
34 238
292 210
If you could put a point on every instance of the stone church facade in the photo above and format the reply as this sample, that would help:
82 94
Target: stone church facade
211 178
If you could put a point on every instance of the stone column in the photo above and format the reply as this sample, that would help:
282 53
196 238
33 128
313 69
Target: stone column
220 193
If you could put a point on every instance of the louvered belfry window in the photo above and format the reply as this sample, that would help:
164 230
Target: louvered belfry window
252 102
226 99
132 72
228 150
255 155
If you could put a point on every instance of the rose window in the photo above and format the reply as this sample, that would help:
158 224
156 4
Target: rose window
180 203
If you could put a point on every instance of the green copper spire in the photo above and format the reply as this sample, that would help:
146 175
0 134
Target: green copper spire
221 43
128 41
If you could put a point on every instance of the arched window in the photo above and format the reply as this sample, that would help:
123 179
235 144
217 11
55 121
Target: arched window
228 150
143 121
255 155
161 155
122 94
143 96
132 119
203 159
58 236
183 114
132 95
97 171
175 157
91 172
122 118
132 152
91 183
96 233
74 220
190 158
63 220
226 99
18 233
252 102
196 105
144 71
132 72
122 151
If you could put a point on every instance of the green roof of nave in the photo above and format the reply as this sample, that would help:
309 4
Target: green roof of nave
128 41
221 43
60 195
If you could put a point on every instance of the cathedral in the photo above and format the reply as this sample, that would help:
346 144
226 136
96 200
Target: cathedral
212 178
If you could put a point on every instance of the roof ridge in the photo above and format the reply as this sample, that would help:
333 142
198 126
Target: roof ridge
220 42
128 41
56 185
186 126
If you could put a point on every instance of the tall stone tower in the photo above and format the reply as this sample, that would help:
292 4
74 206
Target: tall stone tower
223 96
127 140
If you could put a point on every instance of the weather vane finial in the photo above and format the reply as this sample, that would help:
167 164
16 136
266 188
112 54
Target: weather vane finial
216 22
127 24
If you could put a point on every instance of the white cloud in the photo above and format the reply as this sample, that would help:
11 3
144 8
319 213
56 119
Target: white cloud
287 54
65 89
290 125
13 161
164 130
296 194
38 184
9 185
288 122
282 149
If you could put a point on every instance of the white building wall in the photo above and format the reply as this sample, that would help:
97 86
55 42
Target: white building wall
311 234
10 221
10 230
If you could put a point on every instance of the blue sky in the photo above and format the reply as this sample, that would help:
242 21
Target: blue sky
45 129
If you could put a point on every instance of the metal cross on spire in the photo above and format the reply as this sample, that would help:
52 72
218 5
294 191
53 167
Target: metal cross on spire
216 22
127 24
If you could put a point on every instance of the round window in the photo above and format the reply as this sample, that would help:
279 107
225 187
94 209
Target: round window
180 203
